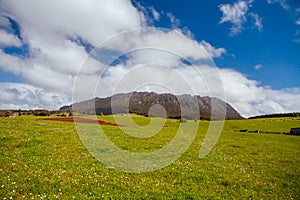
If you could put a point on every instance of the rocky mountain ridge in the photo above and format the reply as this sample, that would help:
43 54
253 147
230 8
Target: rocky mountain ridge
153 104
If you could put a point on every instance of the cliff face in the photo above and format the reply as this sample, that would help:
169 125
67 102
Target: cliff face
143 103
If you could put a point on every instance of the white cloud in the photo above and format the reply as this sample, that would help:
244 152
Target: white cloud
173 40
251 99
7 39
25 96
213 52
92 20
234 14
257 21
164 48
4 23
282 3
174 21
258 66
237 15
148 12
50 31
155 14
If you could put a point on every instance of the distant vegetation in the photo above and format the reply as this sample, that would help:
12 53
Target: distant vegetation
294 114
39 112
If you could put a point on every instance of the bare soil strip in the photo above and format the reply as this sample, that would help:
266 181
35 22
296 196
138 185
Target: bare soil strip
81 120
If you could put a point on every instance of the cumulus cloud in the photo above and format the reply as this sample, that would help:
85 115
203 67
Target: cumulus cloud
234 14
7 39
162 51
237 13
26 96
250 99
52 33
213 52
94 21
174 40
5 23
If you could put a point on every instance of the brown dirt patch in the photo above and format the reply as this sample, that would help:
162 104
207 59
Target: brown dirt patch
81 120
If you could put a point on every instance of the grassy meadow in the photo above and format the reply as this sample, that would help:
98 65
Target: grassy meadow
47 160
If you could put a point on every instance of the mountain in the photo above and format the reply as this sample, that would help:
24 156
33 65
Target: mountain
142 103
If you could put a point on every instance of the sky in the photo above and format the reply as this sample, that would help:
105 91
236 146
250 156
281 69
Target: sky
246 52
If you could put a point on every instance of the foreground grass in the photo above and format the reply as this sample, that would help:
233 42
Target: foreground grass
46 160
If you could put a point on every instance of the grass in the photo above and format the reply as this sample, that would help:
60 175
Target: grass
47 160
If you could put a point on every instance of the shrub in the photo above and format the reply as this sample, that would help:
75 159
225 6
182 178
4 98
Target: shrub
8 113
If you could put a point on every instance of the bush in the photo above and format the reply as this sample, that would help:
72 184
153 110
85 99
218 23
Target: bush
8 113
41 113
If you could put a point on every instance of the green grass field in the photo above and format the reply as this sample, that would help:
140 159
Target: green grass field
47 160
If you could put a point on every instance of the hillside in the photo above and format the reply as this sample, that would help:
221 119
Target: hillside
140 103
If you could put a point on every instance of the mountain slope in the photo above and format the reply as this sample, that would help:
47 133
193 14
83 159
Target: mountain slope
147 103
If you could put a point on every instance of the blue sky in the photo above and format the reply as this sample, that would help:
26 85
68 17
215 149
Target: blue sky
45 46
